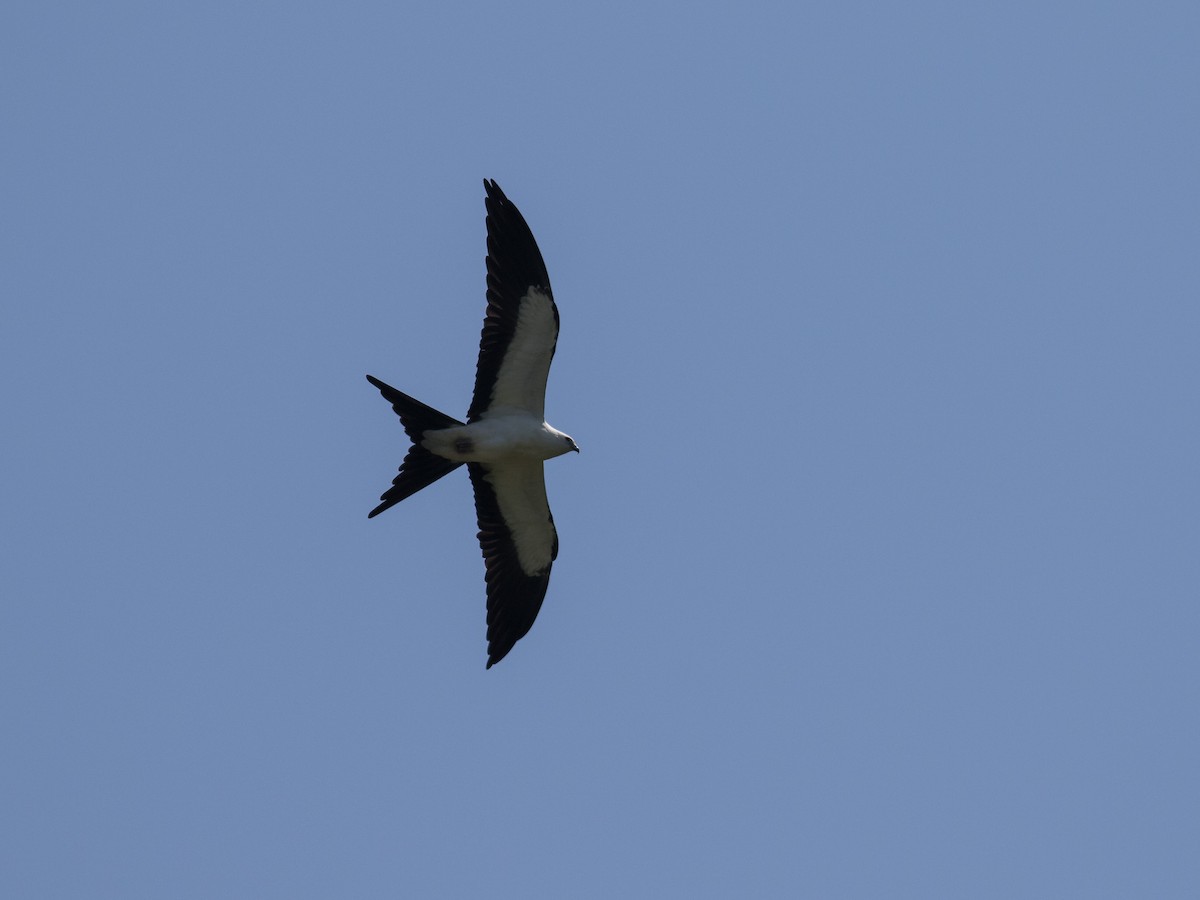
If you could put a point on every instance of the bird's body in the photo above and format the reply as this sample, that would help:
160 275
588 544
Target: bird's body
506 438
497 439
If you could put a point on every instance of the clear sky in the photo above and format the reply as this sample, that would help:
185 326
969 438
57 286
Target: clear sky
879 569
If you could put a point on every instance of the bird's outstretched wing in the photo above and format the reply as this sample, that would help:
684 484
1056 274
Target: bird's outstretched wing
520 329
519 543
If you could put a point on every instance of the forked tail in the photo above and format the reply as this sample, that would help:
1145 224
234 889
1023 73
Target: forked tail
420 467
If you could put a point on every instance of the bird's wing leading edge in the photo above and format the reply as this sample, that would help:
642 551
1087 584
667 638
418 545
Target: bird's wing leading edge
520 328
519 543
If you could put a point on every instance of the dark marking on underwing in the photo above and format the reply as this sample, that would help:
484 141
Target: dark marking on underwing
463 445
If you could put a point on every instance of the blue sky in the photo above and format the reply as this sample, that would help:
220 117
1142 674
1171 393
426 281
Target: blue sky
879 568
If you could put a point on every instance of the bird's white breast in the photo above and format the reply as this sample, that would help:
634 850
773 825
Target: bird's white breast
498 437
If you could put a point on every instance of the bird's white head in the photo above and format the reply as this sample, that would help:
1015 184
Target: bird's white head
563 443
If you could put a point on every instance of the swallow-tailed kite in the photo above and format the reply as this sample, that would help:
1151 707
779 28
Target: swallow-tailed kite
506 438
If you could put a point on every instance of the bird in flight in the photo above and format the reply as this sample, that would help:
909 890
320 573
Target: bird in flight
506 438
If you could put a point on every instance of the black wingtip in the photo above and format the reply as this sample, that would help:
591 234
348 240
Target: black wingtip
494 192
